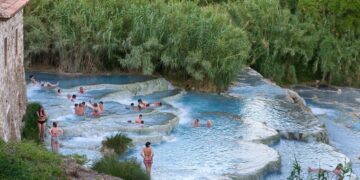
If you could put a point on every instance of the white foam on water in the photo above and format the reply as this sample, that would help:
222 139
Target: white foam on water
357 99
321 111
182 111
122 97
169 138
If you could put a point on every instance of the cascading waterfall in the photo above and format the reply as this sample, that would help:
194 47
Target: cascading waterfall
256 129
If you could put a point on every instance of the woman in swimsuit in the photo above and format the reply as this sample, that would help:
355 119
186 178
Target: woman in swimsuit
55 132
42 117
148 154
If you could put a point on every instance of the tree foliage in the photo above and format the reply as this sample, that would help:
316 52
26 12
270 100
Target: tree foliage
200 42
304 40
176 38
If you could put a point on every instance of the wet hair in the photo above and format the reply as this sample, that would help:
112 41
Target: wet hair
147 144
160 104
139 100
76 105
74 96
31 76
140 115
101 102
40 108
197 120
83 103
55 124
132 104
59 90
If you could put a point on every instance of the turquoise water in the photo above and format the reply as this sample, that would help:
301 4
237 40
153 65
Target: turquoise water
248 139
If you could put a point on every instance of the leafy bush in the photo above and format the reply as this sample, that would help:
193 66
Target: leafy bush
30 130
27 160
119 143
201 43
178 39
129 170
302 40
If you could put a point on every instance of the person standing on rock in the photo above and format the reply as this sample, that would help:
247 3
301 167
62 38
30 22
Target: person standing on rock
55 132
148 154
42 118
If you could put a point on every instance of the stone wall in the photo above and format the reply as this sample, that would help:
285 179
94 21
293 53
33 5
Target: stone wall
12 78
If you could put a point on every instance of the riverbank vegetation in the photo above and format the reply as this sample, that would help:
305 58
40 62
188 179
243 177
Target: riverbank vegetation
201 43
128 169
110 164
28 160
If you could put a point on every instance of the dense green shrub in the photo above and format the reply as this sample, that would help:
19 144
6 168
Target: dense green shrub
27 160
302 40
129 170
200 42
178 39
30 130
119 143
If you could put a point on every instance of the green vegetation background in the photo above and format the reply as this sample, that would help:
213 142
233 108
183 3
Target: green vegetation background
202 44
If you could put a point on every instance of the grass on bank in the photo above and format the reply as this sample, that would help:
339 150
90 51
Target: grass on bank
28 160
110 164
129 169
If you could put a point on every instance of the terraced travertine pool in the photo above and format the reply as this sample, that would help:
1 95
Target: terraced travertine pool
257 131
